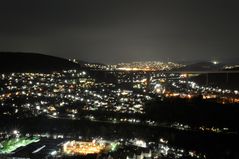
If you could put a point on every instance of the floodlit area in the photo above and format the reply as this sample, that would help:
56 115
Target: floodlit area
9 145
83 148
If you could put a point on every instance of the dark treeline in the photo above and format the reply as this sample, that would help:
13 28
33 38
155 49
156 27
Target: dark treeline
210 143
222 80
195 111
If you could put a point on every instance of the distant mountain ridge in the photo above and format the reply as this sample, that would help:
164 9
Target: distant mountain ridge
33 62
202 66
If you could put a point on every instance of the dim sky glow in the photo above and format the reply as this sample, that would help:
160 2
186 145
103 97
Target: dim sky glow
113 31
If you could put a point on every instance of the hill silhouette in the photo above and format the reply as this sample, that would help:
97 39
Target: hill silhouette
33 62
202 66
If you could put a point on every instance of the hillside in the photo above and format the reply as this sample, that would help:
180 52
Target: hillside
202 66
33 62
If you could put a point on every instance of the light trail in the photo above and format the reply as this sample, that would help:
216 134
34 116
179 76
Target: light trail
39 149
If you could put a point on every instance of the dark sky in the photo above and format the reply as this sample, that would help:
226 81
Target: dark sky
122 30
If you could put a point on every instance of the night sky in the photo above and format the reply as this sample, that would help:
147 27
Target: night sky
117 30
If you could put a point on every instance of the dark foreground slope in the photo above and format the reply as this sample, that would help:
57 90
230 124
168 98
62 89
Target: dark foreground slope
33 62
